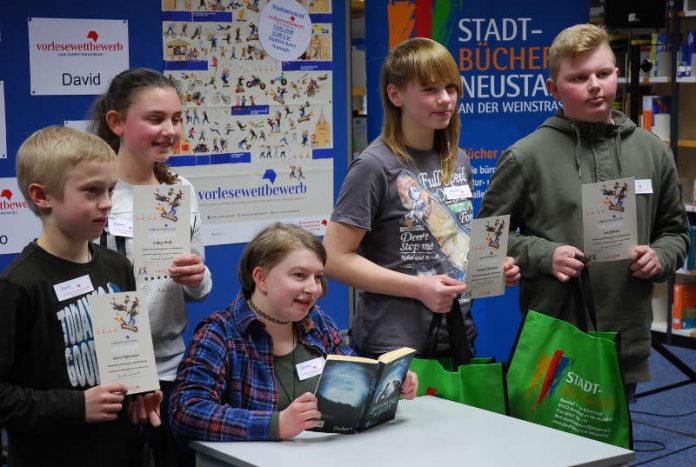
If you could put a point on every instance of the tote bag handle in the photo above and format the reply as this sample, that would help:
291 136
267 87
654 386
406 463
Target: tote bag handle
459 350
581 289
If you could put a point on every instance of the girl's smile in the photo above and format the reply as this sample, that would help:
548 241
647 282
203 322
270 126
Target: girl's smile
151 126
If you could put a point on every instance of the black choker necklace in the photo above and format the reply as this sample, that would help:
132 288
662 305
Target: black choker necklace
270 318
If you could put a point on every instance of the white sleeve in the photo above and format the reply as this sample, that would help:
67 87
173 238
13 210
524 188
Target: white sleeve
202 291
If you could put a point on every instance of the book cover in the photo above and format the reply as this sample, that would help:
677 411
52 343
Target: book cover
686 52
691 256
647 116
656 115
357 393
684 306
661 116
661 56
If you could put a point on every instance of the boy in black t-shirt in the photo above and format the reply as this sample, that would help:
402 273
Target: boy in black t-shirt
52 404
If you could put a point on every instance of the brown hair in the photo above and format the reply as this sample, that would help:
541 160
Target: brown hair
423 60
574 41
123 91
50 153
270 246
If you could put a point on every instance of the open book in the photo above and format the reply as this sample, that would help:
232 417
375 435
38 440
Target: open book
357 393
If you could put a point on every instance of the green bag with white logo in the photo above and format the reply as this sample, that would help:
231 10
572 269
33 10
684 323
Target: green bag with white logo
568 378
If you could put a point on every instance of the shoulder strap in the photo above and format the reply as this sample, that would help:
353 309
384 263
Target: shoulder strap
120 243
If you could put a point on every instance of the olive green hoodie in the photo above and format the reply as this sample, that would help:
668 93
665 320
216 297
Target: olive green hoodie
538 182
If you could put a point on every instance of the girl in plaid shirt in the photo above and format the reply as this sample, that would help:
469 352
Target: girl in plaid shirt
240 378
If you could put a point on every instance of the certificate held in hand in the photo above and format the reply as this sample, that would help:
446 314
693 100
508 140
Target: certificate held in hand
609 219
123 341
161 228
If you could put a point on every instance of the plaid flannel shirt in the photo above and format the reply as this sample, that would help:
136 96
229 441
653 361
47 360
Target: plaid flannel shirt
225 388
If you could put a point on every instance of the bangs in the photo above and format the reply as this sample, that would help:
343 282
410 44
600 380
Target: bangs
423 60
437 65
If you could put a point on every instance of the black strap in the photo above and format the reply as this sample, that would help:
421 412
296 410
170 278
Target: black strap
459 345
459 349
431 342
580 292
586 289
120 243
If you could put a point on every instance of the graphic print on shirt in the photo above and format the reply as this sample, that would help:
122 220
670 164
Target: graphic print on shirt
435 230
80 356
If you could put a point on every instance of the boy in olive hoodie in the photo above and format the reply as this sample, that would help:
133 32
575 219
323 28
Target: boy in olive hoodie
538 182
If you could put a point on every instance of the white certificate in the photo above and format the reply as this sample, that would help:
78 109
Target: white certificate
123 341
161 228
609 219
487 252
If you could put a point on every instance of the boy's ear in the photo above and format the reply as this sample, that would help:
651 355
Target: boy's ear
259 276
394 95
115 122
39 196
553 89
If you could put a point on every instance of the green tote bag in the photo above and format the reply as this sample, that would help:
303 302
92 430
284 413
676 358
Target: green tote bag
568 378
461 378
479 383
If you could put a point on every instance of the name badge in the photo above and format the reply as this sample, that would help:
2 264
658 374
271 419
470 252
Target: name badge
73 288
120 227
643 186
310 368
458 192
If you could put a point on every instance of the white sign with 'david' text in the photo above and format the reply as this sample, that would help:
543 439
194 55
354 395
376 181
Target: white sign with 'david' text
76 56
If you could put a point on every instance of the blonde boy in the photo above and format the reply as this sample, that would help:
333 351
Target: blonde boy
52 404
538 181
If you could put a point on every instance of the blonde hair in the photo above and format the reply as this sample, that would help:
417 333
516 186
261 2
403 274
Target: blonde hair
49 154
422 60
270 246
574 41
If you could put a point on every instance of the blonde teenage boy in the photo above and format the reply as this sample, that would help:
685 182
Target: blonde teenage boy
538 181
52 404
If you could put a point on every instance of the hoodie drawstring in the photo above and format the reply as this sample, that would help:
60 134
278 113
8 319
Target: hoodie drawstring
619 149
578 150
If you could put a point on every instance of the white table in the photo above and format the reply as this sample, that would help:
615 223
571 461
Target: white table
427 431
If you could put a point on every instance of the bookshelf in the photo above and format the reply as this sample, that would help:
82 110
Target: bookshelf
681 137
